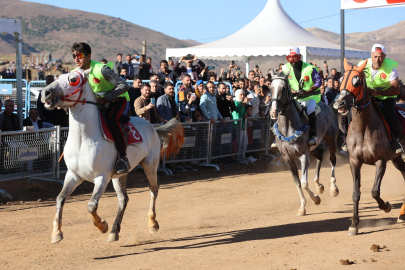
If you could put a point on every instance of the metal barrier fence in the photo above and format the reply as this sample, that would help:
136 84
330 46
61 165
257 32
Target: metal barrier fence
31 154
27 153
8 90
179 84
33 90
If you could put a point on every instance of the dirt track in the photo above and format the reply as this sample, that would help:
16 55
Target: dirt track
241 218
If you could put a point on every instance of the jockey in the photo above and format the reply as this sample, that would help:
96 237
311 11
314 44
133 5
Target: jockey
111 92
306 76
382 79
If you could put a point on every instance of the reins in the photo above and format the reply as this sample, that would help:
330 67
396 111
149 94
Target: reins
289 96
356 101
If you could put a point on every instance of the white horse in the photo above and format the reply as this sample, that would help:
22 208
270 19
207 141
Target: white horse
90 157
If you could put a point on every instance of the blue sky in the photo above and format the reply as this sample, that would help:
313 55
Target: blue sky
207 21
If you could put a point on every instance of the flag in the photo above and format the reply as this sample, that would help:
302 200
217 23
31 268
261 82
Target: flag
354 4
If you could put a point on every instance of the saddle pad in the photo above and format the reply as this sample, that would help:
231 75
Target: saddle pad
132 135
299 106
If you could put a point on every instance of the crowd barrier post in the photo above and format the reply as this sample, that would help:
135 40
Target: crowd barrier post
57 156
257 131
33 89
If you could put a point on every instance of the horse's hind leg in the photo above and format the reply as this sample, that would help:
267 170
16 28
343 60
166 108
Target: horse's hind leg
121 189
100 184
400 165
331 142
69 185
318 154
304 180
150 165
380 170
293 169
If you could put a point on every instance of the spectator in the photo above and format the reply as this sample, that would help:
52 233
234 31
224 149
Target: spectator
268 83
135 64
124 73
240 113
8 120
102 61
189 107
146 109
324 99
118 64
330 91
186 84
265 100
128 65
166 75
225 102
336 85
149 62
333 73
32 120
144 68
166 105
208 105
156 91
191 70
254 99
261 81
212 77
251 75
199 88
280 68
134 92
170 62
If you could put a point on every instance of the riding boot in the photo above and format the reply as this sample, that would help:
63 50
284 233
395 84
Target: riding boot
398 147
312 131
122 166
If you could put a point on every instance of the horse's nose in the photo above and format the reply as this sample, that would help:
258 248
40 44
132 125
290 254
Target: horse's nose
48 93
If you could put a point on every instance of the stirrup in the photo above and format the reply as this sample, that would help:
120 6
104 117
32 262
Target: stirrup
122 167
274 145
312 141
398 147
344 147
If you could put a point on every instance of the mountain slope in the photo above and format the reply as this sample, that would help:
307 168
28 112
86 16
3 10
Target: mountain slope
53 29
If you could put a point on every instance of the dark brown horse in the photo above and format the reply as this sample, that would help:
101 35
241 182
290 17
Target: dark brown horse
368 140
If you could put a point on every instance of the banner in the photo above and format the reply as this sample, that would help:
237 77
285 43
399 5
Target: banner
353 4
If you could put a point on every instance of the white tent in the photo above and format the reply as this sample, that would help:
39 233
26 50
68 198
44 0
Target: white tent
271 33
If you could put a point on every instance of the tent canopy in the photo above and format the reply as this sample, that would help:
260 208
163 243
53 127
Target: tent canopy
271 33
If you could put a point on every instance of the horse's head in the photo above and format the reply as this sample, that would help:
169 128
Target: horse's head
66 91
352 87
280 92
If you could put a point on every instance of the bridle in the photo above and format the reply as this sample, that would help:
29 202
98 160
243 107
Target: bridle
288 95
79 90
363 81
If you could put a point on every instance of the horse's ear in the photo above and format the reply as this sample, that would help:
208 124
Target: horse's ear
86 73
346 65
273 74
363 66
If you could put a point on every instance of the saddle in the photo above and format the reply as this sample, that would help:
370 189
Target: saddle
302 109
131 134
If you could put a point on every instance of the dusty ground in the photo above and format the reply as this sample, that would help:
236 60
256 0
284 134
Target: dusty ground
241 218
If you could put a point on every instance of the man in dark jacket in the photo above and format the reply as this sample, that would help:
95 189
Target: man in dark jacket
32 120
166 75
8 120
134 92
191 70
225 102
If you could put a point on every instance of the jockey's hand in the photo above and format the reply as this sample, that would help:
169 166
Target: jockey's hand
101 100
295 93
373 92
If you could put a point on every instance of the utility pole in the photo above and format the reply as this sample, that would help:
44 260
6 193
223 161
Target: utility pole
144 47
342 40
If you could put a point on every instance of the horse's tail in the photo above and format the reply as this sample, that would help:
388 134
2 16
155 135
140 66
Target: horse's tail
172 136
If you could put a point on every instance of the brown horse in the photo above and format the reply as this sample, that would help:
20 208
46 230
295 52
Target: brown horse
367 140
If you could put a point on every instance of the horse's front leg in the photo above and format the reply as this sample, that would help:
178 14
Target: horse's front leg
334 191
100 184
293 169
121 189
304 180
318 154
69 185
379 174
355 166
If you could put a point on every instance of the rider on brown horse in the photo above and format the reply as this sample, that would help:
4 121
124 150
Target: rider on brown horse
383 83
305 82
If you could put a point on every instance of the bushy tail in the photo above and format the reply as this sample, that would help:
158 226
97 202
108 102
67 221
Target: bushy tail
172 136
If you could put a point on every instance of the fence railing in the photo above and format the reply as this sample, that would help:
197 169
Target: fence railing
8 90
32 154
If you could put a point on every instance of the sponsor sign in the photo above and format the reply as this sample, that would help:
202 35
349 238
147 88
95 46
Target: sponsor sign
257 134
6 89
353 4
189 142
25 154
226 138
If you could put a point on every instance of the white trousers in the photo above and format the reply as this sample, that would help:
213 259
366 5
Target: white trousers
310 104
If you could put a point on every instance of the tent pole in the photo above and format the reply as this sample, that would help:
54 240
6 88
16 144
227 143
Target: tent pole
304 55
18 63
342 40
247 66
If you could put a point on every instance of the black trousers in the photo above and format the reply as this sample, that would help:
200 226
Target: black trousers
388 109
114 112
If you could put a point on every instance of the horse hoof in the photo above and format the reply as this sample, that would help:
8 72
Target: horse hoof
317 200
401 219
387 207
56 238
153 230
334 191
320 188
301 212
104 227
112 237
353 231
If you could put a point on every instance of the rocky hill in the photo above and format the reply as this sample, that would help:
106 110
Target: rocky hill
54 29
